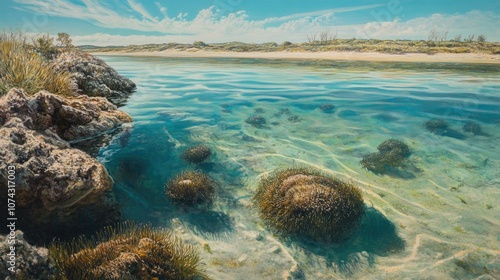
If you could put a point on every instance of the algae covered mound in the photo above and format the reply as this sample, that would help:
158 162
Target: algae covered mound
191 188
127 251
257 121
307 203
391 153
472 127
437 126
196 154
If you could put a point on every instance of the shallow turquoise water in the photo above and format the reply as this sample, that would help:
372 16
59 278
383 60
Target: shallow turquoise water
436 218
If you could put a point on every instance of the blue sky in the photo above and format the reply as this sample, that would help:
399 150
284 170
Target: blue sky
124 22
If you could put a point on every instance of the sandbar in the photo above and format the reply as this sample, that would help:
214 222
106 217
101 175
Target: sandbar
474 58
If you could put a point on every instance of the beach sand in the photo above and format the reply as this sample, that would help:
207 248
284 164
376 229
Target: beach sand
352 56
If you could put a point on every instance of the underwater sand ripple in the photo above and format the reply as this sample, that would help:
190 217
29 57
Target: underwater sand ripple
449 206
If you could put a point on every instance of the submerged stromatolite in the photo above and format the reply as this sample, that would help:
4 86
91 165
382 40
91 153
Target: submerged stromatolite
196 154
391 153
191 188
308 203
127 252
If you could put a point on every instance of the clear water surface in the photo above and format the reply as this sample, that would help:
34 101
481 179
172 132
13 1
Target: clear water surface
435 219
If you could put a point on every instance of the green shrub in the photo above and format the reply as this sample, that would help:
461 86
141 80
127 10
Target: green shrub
44 45
64 40
199 44
481 38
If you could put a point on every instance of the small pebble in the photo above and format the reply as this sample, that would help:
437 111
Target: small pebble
274 249
241 225
242 258
253 235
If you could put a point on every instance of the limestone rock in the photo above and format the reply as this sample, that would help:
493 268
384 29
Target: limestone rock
70 118
295 273
31 262
94 77
54 183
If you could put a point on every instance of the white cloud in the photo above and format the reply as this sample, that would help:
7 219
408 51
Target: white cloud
209 26
205 21
162 9
322 13
473 22
140 9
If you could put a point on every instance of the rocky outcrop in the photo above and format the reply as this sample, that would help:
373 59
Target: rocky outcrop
30 262
49 174
59 190
94 77
70 118
55 186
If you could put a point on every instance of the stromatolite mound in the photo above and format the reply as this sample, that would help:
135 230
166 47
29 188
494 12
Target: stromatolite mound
391 153
191 189
94 77
196 154
128 251
310 204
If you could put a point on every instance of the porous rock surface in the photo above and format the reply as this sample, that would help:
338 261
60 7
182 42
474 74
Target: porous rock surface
53 182
49 173
58 189
70 118
94 77
31 262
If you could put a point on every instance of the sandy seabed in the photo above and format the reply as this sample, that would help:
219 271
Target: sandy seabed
435 220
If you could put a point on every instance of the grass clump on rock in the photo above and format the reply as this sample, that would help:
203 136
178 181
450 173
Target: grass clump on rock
196 154
307 203
127 251
191 189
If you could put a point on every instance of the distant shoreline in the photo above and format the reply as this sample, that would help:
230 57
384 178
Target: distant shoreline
472 58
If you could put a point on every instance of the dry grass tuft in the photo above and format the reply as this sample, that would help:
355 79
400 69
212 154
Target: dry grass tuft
21 66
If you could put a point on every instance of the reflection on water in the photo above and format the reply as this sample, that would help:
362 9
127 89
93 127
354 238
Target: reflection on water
433 217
